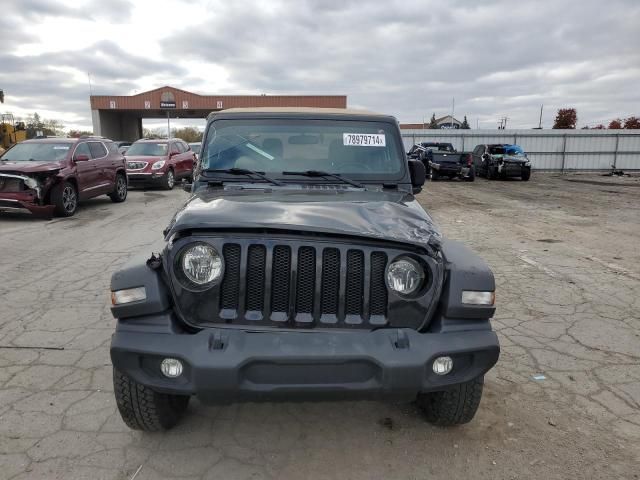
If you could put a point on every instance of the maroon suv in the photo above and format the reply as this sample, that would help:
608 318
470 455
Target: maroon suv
51 175
159 162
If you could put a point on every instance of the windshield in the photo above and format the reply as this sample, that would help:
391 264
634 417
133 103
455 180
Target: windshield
497 150
442 147
195 147
39 152
148 149
364 150
514 150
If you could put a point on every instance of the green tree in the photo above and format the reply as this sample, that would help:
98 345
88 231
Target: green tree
155 133
432 122
188 134
566 118
465 124
36 124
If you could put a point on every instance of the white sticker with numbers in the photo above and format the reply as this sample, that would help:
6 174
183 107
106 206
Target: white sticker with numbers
364 139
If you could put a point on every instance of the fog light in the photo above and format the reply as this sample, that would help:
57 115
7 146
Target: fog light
129 295
172 367
442 365
478 298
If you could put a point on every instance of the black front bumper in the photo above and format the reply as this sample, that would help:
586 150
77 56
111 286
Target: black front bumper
511 169
225 365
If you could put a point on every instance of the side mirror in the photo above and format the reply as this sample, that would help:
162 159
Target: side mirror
81 157
418 174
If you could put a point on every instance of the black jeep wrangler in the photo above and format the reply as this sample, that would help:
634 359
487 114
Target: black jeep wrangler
302 267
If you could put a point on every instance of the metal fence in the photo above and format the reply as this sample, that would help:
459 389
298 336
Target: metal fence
561 150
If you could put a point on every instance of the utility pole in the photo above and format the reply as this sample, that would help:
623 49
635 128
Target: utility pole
453 108
90 87
540 122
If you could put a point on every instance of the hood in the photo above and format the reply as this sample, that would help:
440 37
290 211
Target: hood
394 216
29 167
144 158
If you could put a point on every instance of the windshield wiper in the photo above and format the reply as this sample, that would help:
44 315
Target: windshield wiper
317 173
244 171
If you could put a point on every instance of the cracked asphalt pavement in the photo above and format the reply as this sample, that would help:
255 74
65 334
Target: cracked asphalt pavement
567 265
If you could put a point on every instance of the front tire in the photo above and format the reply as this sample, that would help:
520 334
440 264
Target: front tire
454 406
471 176
144 409
169 180
65 199
119 193
526 175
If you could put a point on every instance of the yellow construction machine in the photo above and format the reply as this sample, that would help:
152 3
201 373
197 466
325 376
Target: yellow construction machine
10 131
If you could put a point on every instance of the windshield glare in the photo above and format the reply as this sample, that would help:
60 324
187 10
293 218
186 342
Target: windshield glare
148 149
39 152
352 148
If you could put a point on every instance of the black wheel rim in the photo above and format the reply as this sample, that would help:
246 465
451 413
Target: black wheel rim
69 199
121 188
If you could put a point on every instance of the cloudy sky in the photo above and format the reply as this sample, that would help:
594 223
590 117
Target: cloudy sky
405 57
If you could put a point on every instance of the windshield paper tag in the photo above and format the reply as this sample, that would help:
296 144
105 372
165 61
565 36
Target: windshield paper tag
364 139
59 147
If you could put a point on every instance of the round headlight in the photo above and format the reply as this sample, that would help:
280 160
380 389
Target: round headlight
405 276
201 264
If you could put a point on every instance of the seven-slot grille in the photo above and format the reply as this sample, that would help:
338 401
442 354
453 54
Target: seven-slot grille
306 285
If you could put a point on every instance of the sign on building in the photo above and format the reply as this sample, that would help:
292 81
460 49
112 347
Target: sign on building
167 100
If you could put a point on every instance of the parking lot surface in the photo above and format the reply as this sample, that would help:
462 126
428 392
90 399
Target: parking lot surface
563 401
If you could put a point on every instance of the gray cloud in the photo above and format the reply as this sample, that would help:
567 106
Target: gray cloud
409 58
41 82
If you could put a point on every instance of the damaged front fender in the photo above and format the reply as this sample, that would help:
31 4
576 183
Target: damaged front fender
24 192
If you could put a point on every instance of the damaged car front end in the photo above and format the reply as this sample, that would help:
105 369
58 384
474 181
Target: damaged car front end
20 192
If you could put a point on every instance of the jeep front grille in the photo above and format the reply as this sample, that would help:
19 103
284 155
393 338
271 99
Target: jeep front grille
303 284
